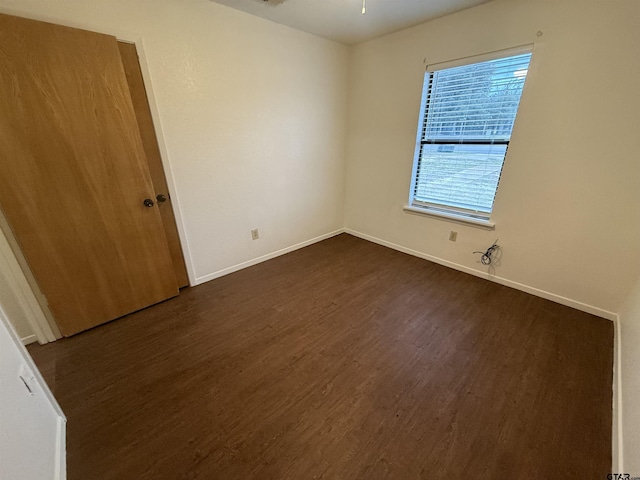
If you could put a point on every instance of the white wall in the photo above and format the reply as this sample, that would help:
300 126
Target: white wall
567 211
32 426
630 381
253 116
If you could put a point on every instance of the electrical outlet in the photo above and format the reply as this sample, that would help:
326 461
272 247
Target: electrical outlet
255 234
453 236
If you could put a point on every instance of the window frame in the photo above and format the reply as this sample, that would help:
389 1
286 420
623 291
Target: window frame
450 212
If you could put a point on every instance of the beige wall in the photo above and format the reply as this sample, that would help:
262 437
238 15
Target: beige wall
253 116
567 210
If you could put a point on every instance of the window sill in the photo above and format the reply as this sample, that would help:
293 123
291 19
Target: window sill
476 222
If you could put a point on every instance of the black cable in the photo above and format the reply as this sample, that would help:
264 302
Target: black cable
486 258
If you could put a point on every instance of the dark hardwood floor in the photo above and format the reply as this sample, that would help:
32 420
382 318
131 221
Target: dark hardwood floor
343 360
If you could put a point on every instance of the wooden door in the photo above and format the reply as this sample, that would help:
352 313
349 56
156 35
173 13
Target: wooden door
129 56
73 175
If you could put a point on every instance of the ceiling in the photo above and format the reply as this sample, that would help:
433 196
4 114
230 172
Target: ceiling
342 21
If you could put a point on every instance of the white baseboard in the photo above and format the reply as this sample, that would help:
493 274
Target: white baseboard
264 258
617 433
29 339
502 281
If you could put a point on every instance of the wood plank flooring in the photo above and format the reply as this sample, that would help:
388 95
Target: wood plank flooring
343 360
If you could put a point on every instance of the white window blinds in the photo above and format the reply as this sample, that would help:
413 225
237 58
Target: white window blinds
468 116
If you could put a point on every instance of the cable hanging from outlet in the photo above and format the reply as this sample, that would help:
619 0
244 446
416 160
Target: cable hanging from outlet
487 256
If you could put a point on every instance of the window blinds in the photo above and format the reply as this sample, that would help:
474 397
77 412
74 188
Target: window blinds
469 112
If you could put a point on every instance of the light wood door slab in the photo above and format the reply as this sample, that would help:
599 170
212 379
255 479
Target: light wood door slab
131 64
73 175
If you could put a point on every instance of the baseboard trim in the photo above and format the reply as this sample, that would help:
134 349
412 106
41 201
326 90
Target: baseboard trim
29 339
617 433
502 281
264 258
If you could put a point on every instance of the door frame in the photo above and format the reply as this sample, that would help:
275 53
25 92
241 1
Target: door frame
42 327
21 289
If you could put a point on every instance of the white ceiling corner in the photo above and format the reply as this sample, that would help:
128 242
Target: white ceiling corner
342 21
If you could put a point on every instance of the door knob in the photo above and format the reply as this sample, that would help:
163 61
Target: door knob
161 198
148 202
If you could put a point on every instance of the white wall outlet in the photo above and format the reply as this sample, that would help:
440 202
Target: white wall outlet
255 234
453 236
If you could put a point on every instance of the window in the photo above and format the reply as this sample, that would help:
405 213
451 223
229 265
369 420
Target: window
467 115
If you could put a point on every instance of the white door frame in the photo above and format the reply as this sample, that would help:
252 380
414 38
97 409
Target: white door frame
22 291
